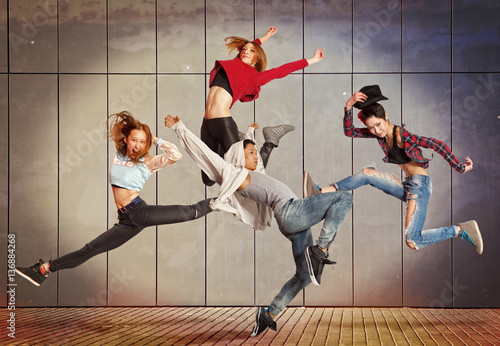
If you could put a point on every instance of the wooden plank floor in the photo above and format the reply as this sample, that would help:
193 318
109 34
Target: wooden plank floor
232 326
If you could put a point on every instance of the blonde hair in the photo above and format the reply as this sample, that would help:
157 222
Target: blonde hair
235 42
120 126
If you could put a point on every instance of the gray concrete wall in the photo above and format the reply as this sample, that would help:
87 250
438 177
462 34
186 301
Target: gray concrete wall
66 65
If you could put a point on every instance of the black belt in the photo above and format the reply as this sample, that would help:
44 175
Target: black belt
132 204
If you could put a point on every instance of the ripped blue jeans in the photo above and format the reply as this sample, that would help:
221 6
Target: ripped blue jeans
417 188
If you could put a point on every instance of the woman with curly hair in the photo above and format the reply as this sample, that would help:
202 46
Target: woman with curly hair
131 168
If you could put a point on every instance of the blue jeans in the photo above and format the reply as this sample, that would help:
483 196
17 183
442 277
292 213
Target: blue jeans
417 188
295 220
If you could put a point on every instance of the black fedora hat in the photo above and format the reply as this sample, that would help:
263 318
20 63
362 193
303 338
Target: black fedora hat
373 94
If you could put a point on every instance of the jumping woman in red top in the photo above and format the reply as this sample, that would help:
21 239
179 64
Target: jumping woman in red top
241 79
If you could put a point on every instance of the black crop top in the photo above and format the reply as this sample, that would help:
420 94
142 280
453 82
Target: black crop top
222 81
397 155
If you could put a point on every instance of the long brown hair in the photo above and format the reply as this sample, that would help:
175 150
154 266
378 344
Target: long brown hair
235 42
120 126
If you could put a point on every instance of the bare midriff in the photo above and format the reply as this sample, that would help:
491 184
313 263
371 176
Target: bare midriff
123 197
218 103
412 168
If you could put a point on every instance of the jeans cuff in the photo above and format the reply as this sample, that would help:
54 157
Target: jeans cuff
323 244
275 311
51 266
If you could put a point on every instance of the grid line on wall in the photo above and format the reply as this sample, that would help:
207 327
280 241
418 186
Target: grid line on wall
452 264
157 151
107 144
352 164
303 101
254 230
58 227
8 145
401 205
205 224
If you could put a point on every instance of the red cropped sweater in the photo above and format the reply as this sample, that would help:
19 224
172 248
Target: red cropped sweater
246 81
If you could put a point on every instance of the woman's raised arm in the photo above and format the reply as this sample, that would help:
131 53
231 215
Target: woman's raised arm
356 97
318 56
270 32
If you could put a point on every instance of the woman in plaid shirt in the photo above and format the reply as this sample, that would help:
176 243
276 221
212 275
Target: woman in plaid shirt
402 148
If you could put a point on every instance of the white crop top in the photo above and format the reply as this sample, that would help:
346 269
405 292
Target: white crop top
132 176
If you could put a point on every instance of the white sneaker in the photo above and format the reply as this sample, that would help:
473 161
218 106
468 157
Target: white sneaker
308 186
471 233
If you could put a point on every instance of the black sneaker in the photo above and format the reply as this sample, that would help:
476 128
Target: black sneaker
316 260
35 274
263 320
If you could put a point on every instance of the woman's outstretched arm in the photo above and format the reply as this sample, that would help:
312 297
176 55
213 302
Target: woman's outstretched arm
270 32
284 70
317 57
442 149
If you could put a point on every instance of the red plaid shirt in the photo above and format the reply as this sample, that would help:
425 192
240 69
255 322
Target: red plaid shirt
411 144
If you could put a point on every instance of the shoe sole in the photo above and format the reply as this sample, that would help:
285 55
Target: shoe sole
27 278
304 184
310 268
477 234
307 179
256 327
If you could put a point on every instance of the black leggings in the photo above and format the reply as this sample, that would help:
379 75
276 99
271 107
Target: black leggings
131 223
219 134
